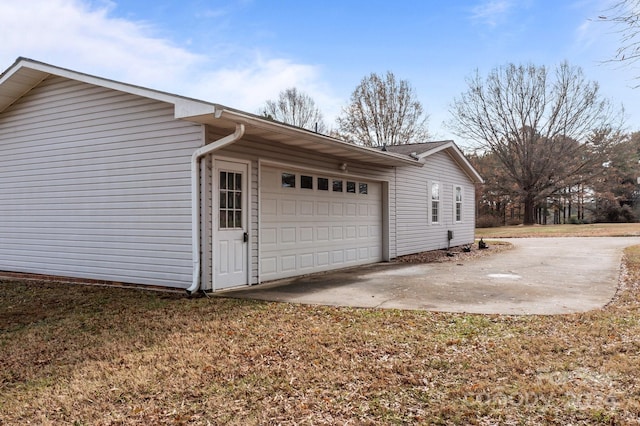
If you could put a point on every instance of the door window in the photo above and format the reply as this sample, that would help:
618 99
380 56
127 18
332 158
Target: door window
230 202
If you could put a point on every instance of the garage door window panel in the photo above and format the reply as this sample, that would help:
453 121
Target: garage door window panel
323 184
306 182
288 180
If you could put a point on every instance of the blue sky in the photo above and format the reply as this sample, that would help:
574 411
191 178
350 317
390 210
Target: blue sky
243 52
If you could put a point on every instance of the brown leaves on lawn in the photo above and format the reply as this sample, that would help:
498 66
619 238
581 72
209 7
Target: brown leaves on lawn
72 354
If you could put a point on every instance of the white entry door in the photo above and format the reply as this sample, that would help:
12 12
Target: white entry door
230 224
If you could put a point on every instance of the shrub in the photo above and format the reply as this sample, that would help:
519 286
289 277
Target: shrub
514 221
488 221
611 213
573 220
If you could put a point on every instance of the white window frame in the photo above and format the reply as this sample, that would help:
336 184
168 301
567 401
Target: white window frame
457 203
438 204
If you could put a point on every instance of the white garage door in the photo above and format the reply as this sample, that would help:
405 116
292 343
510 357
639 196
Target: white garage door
313 222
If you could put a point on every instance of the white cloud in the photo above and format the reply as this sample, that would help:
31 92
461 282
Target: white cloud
585 33
491 12
592 31
78 35
72 34
248 86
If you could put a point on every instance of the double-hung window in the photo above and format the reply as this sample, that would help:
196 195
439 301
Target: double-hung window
458 203
435 202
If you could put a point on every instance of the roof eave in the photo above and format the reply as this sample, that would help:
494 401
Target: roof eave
290 135
26 73
454 152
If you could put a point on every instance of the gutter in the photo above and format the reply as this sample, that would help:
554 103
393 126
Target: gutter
274 127
195 198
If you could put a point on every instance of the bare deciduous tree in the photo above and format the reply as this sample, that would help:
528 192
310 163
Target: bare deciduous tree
539 126
383 111
625 15
296 108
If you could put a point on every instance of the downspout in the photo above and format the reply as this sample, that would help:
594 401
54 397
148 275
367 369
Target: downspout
195 198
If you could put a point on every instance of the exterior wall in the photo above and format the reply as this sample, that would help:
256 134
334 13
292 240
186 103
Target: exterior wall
95 184
262 151
415 232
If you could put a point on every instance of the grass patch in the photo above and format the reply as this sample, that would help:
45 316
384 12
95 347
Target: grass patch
72 354
590 230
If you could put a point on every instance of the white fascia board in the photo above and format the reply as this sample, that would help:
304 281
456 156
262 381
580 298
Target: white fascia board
457 155
275 127
447 145
97 81
186 108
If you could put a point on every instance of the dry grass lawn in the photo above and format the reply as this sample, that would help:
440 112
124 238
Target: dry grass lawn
591 230
81 355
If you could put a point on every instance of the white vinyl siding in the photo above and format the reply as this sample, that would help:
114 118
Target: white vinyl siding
95 184
415 230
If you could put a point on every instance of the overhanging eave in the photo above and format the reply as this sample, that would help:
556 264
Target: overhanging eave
225 119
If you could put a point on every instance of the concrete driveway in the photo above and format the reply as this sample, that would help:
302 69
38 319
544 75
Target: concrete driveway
538 276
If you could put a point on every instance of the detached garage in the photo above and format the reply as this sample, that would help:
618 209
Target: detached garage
109 181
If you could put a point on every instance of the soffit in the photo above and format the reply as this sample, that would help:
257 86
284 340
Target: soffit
225 120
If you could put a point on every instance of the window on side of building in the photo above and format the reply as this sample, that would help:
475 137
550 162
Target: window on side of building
458 203
435 202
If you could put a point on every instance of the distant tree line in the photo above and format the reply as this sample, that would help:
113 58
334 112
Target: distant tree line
550 147
608 192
